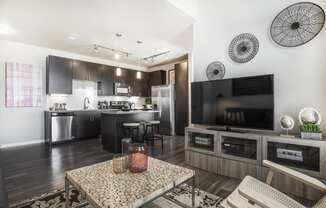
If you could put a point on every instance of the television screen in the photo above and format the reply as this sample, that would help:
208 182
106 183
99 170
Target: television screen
241 102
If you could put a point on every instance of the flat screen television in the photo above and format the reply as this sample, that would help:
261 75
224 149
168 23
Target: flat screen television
246 102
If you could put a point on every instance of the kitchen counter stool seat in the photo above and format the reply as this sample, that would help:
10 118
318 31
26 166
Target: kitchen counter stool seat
131 130
131 124
152 132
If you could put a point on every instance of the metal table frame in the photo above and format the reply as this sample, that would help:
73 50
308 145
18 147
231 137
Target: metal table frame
193 197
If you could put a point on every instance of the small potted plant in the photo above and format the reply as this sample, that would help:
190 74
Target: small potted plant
310 120
310 131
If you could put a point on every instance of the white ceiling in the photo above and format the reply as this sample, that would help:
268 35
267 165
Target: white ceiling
49 23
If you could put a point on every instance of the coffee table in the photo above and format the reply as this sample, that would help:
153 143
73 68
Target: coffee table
102 188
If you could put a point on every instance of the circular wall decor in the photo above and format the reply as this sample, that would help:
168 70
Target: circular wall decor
297 24
215 70
243 48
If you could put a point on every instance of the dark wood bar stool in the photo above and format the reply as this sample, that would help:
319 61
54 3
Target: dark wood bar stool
131 130
152 132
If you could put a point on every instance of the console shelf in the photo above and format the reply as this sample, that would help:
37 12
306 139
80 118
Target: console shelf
237 155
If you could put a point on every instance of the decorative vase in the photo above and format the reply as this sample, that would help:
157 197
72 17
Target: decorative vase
120 163
310 135
138 159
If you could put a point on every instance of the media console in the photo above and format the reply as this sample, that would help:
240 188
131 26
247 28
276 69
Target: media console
236 155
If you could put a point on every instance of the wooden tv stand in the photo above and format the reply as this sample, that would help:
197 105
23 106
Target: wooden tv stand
211 150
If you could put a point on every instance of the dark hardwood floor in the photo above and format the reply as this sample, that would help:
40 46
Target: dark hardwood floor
31 171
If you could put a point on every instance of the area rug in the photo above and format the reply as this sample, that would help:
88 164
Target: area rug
170 200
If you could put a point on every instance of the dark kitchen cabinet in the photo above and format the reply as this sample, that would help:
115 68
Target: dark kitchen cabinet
122 78
59 74
83 70
105 83
146 88
139 86
88 124
157 78
181 98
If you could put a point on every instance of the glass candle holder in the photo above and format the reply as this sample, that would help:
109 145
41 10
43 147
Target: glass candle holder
120 163
137 157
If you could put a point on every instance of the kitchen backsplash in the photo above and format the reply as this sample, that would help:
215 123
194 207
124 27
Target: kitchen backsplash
82 89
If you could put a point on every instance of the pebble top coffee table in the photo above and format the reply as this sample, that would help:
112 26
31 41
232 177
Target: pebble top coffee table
102 188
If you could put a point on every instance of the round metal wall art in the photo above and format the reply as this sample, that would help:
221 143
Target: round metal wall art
243 48
215 70
297 24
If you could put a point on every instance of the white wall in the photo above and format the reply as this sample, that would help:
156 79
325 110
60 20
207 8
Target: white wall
24 125
300 73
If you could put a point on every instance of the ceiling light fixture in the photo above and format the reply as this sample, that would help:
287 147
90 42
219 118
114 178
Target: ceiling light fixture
73 37
117 56
117 53
153 57
138 75
6 29
96 48
118 72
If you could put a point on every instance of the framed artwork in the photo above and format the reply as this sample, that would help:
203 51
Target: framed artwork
23 85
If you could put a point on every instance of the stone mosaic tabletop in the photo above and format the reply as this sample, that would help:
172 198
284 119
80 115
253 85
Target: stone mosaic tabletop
103 188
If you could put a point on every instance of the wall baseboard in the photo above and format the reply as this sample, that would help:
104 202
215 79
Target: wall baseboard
17 144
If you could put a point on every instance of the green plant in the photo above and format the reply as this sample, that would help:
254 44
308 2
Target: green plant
148 101
311 128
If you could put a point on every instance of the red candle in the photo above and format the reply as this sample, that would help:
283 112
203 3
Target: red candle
138 159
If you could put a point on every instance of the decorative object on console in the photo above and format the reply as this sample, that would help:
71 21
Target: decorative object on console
23 85
297 24
215 70
243 48
310 120
287 123
120 163
137 158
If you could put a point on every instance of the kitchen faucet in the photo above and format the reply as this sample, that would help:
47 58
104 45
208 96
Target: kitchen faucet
86 103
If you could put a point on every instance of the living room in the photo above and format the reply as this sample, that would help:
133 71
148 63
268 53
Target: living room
187 103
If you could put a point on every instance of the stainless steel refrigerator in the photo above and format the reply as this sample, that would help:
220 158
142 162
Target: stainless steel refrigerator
163 100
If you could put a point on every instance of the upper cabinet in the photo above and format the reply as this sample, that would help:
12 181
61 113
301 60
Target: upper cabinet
157 78
141 86
59 73
105 83
85 70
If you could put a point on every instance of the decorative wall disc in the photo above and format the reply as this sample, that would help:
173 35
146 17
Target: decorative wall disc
243 48
297 24
215 70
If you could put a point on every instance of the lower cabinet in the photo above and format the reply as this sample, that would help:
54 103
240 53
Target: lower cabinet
88 124
221 166
292 186
237 169
202 161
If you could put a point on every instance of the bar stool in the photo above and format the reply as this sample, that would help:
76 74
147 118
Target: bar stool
152 132
131 130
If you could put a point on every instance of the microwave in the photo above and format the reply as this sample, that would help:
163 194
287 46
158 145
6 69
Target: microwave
122 89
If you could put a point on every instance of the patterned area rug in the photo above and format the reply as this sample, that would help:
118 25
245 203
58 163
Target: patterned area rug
170 200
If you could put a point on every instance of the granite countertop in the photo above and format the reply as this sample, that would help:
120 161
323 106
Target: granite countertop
130 112
103 188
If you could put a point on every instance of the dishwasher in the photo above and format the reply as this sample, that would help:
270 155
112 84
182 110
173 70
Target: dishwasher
61 126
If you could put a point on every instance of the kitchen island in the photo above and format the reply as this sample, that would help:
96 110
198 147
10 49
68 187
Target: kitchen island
111 126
